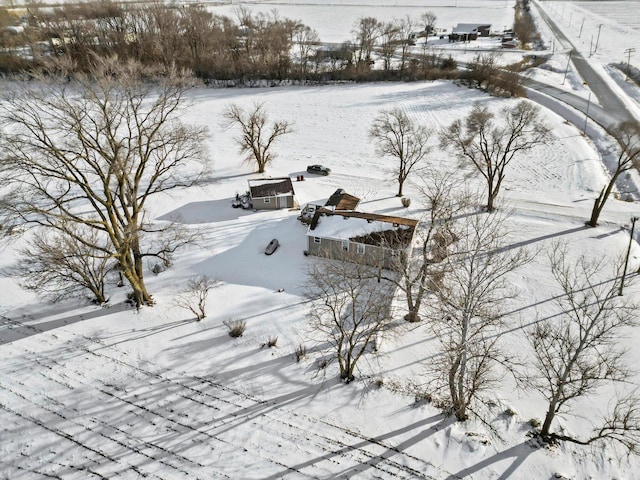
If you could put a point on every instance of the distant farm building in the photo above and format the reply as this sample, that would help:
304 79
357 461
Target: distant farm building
271 193
367 238
464 32
334 53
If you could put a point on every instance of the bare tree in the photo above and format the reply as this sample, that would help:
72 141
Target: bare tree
396 135
256 137
305 39
490 145
194 297
89 155
429 22
59 267
468 317
421 272
523 25
351 309
366 32
627 134
389 42
404 27
580 350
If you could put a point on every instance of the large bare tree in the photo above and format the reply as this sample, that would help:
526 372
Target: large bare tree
468 317
366 31
389 42
581 349
429 21
405 27
418 274
351 309
256 135
397 136
87 152
489 142
627 135
305 39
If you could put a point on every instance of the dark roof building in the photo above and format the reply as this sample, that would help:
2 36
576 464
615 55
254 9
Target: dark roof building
271 193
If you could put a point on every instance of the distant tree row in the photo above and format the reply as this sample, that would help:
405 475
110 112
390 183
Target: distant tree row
214 47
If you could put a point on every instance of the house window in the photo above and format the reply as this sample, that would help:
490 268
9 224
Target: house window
360 248
345 245
267 200
316 240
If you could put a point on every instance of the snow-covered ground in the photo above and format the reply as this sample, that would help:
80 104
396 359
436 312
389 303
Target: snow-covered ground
91 392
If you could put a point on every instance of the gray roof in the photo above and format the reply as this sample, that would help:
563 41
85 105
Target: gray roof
463 28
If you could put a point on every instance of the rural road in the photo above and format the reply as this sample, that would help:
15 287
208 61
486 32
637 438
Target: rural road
611 110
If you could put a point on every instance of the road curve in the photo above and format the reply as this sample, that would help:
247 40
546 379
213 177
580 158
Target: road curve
613 109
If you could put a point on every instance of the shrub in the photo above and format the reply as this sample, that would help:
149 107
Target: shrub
422 397
236 327
301 352
535 422
271 342
406 201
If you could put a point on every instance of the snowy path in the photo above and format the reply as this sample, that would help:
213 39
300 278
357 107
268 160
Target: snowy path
139 420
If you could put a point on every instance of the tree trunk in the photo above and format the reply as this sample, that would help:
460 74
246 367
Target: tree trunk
548 419
490 207
599 202
129 268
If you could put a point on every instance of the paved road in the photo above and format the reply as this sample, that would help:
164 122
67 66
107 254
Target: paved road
613 109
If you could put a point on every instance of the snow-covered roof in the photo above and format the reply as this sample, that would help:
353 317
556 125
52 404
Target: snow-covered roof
463 28
350 225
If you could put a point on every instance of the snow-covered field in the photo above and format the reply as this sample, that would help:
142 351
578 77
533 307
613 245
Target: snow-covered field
89 392
334 21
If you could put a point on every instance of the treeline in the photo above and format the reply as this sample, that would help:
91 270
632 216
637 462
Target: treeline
214 47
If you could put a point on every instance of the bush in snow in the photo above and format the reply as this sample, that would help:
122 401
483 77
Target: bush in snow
236 327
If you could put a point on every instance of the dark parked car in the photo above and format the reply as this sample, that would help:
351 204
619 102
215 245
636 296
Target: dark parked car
319 169
272 247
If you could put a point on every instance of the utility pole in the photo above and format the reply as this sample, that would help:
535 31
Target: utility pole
626 259
586 114
629 51
597 39
567 67
580 34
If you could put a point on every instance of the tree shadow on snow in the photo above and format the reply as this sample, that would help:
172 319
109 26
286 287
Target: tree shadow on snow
519 453
17 327
374 442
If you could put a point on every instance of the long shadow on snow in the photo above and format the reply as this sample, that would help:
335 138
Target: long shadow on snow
208 211
17 328
262 408
541 238
368 442
519 453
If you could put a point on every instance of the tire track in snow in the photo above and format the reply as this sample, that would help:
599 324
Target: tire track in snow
331 449
129 442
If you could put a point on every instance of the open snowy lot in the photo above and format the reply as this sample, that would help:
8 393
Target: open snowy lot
90 392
